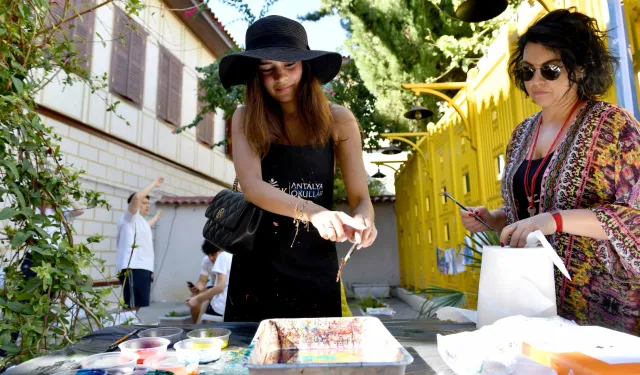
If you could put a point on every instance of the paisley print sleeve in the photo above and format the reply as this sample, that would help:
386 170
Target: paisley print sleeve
620 219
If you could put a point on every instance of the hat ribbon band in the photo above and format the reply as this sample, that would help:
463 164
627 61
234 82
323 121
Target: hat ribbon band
270 41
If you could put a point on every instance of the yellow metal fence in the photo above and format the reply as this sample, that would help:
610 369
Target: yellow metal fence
493 107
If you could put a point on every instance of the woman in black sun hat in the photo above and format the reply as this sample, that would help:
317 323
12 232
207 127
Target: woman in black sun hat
286 140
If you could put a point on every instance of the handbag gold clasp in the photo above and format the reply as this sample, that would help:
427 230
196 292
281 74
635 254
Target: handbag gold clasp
220 213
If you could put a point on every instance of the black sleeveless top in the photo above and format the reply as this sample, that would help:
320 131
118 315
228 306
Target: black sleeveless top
278 280
519 194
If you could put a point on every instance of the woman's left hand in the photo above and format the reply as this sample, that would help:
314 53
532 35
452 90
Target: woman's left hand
364 237
519 230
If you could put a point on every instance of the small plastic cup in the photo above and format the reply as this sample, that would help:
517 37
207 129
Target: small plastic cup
145 347
220 333
122 362
209 349
185 363
170 333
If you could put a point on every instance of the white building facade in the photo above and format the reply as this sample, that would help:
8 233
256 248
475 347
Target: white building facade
154 77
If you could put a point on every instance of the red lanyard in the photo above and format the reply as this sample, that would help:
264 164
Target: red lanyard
530 189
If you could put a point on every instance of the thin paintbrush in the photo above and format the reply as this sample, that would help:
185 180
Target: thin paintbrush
445 194
344 260
114 346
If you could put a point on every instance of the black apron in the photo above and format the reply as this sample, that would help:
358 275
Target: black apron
277 280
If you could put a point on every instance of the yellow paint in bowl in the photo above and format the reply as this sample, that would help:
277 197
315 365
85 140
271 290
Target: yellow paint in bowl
219 333
209 349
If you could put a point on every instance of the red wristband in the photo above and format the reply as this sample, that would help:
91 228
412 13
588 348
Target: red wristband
558 219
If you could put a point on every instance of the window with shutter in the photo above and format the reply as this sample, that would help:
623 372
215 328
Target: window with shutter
79 31
127 58
209 125
163 84
60 10
175 91
169 106
204 129
137 50
201 129
83 34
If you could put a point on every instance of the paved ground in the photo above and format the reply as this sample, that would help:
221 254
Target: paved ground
151 314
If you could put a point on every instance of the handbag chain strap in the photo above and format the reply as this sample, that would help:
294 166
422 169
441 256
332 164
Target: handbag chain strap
235 184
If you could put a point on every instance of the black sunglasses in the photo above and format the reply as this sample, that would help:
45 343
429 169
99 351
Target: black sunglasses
550 72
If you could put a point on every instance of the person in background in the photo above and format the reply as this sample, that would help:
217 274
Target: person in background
573 171
135 263
287 140
216 265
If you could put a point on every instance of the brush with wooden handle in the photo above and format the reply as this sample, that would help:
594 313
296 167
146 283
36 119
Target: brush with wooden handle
345 259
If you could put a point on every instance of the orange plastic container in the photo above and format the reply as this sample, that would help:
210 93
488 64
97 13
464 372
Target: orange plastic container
594 351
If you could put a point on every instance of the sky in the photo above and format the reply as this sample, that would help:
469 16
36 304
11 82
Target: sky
326 34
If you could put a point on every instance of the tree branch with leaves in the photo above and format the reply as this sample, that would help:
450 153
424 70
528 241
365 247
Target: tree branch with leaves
34 48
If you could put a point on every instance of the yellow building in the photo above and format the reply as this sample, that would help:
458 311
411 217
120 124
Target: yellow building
463 153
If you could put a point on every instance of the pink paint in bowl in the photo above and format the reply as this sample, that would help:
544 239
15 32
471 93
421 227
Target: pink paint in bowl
145 347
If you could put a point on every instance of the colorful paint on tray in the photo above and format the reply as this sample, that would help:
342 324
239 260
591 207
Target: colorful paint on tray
292 356
232 361
332 333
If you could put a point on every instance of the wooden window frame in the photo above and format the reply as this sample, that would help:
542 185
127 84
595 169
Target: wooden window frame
169 86
206 127
84 23
135 39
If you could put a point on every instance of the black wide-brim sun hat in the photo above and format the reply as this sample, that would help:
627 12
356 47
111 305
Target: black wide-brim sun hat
280 39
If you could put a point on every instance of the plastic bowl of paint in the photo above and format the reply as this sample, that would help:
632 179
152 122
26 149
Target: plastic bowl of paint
145 347
122 362
207 333
184 363
170 333
209 349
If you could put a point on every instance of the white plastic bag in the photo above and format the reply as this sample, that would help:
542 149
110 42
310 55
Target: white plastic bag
518 281
497 349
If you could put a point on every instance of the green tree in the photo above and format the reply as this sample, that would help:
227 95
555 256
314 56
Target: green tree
376 187
348 90
35 48
401 41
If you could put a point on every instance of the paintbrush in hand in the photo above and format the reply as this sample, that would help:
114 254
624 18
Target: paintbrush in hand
345 259
445 194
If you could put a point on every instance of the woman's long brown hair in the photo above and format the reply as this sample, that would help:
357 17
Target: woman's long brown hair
264 122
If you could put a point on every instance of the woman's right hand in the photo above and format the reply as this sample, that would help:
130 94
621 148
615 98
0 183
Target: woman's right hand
330 224
471 224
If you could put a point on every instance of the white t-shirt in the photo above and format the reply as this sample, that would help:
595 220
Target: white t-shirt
131 226
222 266
206 269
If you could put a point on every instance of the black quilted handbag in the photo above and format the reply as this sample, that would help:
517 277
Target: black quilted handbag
232 222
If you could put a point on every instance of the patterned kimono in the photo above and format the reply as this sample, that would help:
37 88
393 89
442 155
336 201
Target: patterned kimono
596 167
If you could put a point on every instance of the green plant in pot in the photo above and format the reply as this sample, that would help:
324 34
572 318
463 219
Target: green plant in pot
176 314
370 301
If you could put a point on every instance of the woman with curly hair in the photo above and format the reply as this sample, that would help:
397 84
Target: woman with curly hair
573 171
